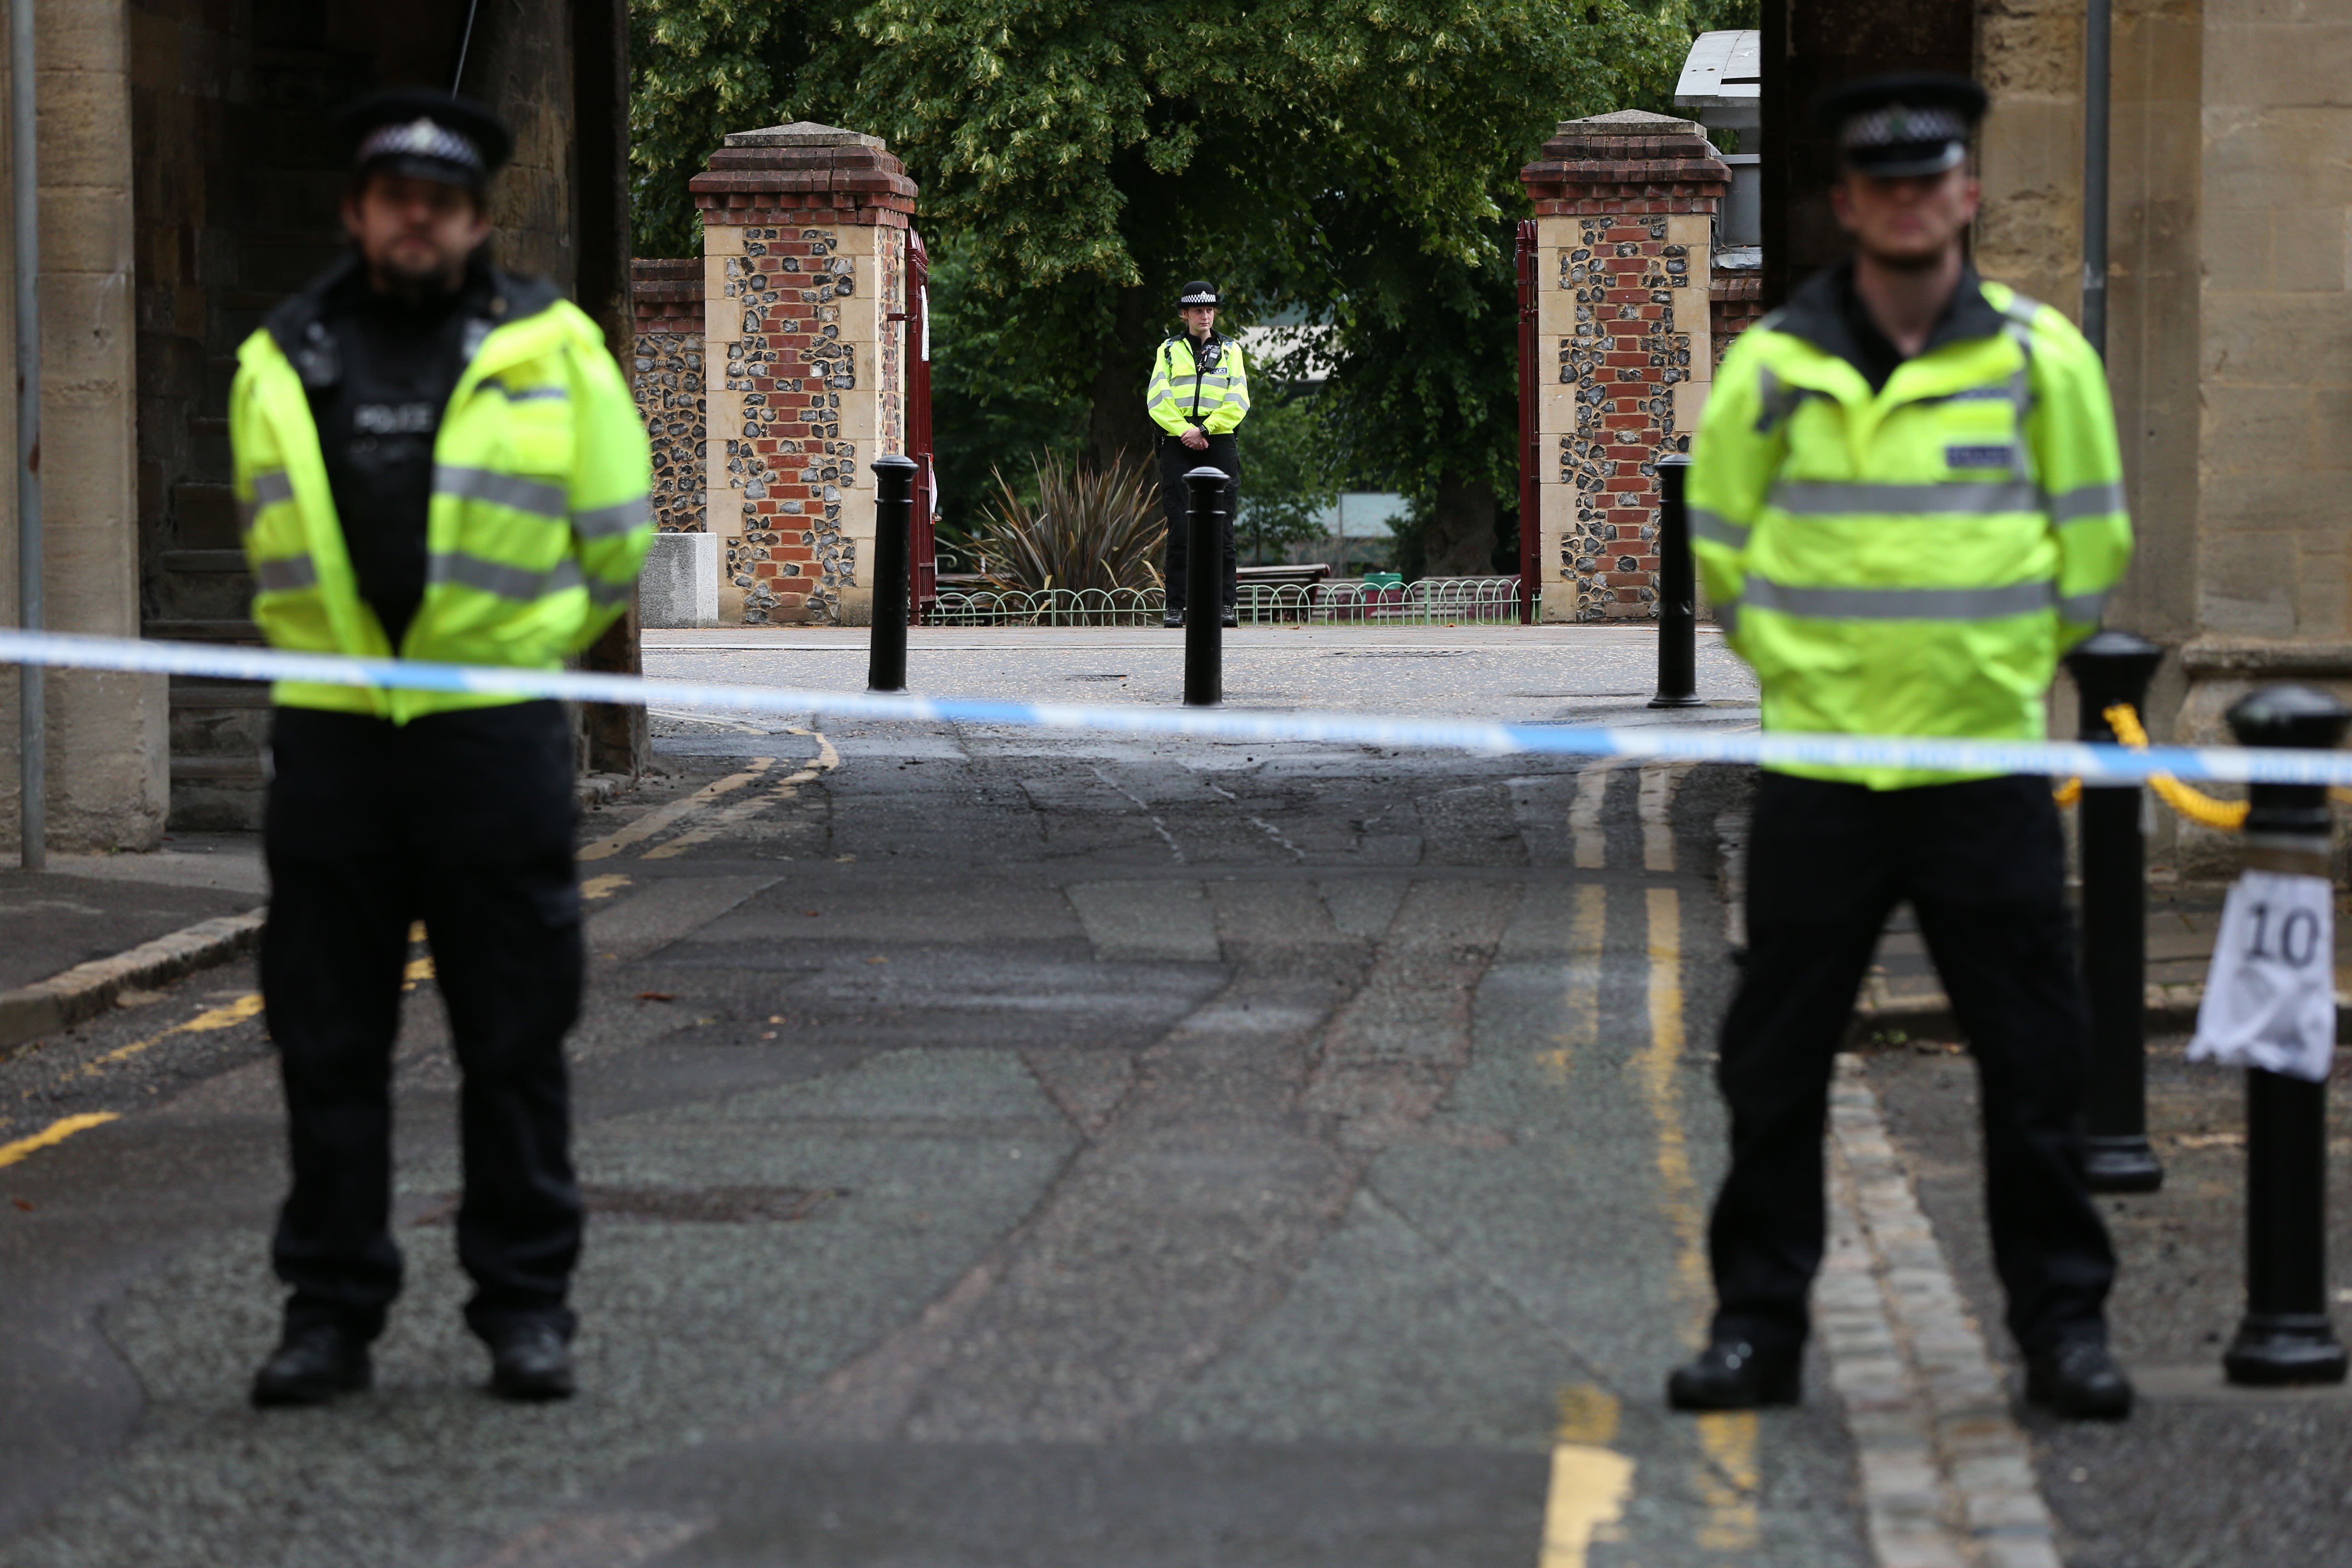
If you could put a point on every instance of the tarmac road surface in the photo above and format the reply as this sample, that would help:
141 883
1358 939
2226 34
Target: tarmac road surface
1014 1150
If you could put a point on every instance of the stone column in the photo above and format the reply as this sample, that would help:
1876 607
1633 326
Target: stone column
1626 207
804 265
108 744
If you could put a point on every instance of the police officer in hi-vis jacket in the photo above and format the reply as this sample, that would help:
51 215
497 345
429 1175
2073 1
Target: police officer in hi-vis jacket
439 460
1197 396
1906 499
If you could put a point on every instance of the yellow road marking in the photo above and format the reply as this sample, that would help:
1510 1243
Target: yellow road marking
1729 1485
222 1017
1590 1483
1588 1414
1581 1001
1590 841
603 887
730 817
1657 1068
1655 806
56 1133
1589 1489
1727 1477
662 817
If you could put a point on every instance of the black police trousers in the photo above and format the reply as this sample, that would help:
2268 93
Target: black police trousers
1177 459
1983 866
464 821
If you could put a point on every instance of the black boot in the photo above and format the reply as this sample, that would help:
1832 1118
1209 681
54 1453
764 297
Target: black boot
530 1362
1230 618
2079 1381
1731 1374
311 1364
1173 617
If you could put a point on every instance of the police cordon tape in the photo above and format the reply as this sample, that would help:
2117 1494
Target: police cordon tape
2093 763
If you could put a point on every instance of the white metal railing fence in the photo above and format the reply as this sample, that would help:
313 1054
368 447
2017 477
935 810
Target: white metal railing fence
1432 601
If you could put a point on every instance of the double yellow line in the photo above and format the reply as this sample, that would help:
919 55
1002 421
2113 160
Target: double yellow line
57 1132
1591 1482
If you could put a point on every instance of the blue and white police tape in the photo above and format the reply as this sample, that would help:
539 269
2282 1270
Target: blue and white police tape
2094 765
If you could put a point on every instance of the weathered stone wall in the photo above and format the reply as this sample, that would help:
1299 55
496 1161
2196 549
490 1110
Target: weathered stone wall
1625 214
668 381
106 781
804 248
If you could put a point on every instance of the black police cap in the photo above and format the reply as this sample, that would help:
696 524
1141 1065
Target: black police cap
1200 291
1906 123
428 134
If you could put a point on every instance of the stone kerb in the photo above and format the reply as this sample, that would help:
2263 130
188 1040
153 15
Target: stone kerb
803 269
1626 207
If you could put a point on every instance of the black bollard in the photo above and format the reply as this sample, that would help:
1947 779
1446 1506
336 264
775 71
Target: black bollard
894 514
1678 591
2287 1335
1204 588
2108 668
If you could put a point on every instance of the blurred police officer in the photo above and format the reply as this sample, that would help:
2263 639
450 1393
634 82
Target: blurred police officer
439 460
1908 497
1197 396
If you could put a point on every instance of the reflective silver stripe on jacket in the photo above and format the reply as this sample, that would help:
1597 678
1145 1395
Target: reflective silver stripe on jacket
2084 609
608 594
1901 603
598 521
2086 500
535 496
287 574
496 577
269 487
1727 615
530 393
1716 528
1839 498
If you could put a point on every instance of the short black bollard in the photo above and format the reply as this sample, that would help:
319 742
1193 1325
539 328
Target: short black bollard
2108 668
1678 591
2287 1335
1204 588
894 514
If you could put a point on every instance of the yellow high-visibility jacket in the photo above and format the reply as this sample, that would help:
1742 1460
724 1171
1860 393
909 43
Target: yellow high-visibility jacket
539 519
1913 561
1181 395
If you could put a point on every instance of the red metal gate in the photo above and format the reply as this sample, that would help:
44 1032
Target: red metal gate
923 553
1531 411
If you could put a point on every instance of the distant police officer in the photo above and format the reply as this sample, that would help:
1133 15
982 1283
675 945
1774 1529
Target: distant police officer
1906 499
1197 396
440 460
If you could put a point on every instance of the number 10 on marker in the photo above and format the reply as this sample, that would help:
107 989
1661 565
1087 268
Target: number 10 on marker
2270 1001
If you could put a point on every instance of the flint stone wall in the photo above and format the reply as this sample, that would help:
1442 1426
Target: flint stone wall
668 378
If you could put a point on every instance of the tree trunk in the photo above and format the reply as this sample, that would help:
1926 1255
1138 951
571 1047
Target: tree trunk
1118 430
1460 542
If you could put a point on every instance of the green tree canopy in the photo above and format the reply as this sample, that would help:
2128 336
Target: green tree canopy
1357 158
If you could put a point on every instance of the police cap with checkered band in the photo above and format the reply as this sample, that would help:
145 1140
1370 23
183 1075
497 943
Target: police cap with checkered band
1909 122
1200 291
426 134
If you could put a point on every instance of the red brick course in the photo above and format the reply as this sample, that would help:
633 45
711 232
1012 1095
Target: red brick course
1627 350
1735 303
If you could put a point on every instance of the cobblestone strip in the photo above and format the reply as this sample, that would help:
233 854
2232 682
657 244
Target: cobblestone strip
1946 1474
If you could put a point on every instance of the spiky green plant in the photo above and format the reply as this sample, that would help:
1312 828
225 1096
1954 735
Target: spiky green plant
1087 529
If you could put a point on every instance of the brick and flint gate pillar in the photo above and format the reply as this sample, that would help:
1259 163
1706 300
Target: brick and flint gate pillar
804 250
1625 207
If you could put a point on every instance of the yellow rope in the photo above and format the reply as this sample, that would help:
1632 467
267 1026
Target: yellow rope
2193 804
